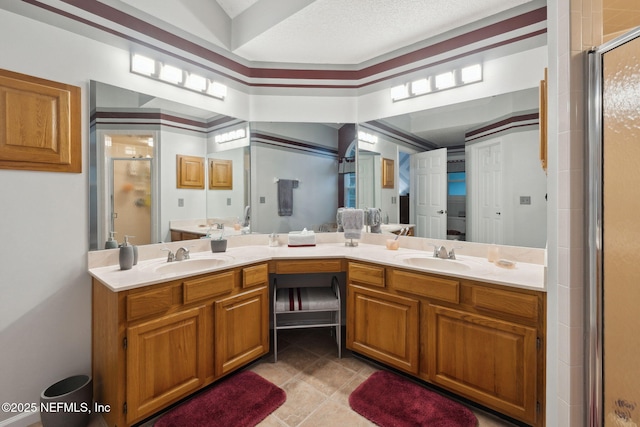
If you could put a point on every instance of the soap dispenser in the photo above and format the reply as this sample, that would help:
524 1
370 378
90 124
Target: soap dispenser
111 243
126 255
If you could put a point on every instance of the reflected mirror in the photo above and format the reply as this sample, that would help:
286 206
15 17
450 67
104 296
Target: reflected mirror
135 141
468 171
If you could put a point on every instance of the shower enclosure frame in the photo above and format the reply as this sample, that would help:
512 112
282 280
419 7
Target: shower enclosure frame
594 384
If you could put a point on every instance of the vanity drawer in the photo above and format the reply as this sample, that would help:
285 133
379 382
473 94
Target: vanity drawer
369 274
426 286
207 286
309 266
155 301
506 302
256 275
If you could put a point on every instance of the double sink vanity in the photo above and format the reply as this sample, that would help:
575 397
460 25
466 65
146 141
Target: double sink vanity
163 330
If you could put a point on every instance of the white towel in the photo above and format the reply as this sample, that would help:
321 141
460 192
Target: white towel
352 222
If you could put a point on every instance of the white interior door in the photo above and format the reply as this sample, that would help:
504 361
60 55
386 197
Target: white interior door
489 193
367 181
429 193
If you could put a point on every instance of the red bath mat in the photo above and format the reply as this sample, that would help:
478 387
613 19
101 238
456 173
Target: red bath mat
390 400
242 400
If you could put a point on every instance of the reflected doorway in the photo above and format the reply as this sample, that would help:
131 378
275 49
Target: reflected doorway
130 202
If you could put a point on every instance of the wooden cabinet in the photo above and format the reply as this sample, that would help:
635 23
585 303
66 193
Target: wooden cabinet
165 360
155 345
177 236
242 329
383 326
478 340
488 360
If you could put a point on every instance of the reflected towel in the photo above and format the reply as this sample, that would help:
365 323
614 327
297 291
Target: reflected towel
375 220
352 222
339 219
285 196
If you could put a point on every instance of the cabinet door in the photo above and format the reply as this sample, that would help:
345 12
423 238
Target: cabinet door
491 361
383 326
164 361
241 329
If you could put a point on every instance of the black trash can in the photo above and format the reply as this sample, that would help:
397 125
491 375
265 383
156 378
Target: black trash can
67 403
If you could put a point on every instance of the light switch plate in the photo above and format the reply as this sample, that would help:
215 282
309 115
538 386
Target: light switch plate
525 200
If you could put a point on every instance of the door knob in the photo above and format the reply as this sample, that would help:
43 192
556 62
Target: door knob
441 211
497 213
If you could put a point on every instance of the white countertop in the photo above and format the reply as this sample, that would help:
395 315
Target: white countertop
523 275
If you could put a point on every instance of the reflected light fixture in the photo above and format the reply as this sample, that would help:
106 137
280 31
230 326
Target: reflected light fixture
431 84
367 137
230 136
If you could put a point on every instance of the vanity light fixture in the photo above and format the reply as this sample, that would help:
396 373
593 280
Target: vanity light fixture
420 87
143 65
196 82
367 137
431 84
148 67
445 80
171 74
217 89
399 92
230 136
471 74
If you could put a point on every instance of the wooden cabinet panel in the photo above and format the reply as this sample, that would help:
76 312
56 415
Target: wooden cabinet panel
208 286
425 285
241 329
190 171
308 266
256 275
164 361
383 326
220 174
506 302
367 274
485 359
39 124
155 301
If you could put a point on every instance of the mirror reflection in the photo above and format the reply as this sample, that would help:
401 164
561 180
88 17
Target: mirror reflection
151 169
469 171
297 180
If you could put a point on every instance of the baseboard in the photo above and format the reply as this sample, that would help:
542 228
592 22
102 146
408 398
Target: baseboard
24 419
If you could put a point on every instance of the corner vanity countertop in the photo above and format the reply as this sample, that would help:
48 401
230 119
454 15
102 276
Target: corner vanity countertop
156 270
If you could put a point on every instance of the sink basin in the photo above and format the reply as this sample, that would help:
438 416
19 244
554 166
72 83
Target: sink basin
189 265
436 263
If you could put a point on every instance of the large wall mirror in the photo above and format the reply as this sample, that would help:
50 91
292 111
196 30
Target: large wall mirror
140 145
468 171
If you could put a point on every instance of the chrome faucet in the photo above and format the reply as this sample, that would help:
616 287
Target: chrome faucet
182 254
441 252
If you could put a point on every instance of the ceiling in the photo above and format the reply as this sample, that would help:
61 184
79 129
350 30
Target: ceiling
317 31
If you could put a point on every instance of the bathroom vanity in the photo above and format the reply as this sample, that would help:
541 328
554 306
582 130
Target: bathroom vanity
162 331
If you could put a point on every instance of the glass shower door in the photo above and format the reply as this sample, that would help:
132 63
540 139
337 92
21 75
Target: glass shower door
131 199
614 235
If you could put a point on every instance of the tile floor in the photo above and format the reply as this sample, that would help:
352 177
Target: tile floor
317 383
